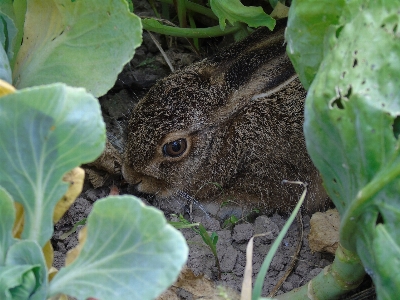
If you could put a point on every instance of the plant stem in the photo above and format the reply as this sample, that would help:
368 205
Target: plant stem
364 198
193 25
155 26
180 7
345 274
195 8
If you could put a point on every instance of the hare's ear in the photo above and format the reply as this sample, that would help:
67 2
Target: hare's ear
261 68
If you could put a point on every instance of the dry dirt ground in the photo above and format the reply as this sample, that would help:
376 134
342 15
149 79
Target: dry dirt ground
146 67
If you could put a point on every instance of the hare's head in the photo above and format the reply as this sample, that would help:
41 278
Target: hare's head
170 130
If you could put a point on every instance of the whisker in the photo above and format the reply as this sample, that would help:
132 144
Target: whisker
191 199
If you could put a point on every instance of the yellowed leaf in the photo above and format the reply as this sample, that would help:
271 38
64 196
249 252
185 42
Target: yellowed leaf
75 178
5 88
73 253
19 220
48 254
280 11
52 272
61 297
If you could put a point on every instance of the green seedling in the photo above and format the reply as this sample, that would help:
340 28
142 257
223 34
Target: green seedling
230 222
210 240
148 62
73 229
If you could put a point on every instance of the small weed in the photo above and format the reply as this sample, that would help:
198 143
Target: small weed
148 62
231 221
210 241
69 232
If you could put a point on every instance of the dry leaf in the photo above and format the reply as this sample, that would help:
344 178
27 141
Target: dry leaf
6 88
75 178
199 287
52 272
19 220
48 254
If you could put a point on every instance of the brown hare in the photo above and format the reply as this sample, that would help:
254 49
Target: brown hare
205 128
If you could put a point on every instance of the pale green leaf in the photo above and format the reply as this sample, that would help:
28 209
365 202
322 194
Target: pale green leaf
5 69
19 13
130 253
34 281
6 223
18 280
8 30
308 23
44 132
351 129
81 43
234 11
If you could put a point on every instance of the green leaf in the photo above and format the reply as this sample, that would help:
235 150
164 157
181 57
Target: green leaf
8 30
350 127
128 243
234 11
387 277
33 281
5 69
6 223
19 12
274 248
44 132
308 23
17 282
81 43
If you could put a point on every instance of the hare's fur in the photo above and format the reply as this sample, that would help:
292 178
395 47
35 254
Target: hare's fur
246 145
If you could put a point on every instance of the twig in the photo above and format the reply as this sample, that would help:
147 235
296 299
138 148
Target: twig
162 51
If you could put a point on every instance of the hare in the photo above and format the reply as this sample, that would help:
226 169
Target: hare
203 129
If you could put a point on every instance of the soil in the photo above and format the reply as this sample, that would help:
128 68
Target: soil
137 77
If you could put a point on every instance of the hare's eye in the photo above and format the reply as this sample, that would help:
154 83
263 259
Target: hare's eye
175 148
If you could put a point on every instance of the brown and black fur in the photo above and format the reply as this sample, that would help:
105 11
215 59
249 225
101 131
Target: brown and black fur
246 145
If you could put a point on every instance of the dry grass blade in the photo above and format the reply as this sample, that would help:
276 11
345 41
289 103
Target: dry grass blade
247 284
162 52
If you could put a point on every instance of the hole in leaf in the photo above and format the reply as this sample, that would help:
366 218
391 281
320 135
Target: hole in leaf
343 74
337 102
355 63
379 219
348 94
334 180
395 29
338 31
355 52
396 126
363 82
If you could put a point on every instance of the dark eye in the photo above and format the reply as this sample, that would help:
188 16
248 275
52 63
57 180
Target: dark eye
175 148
